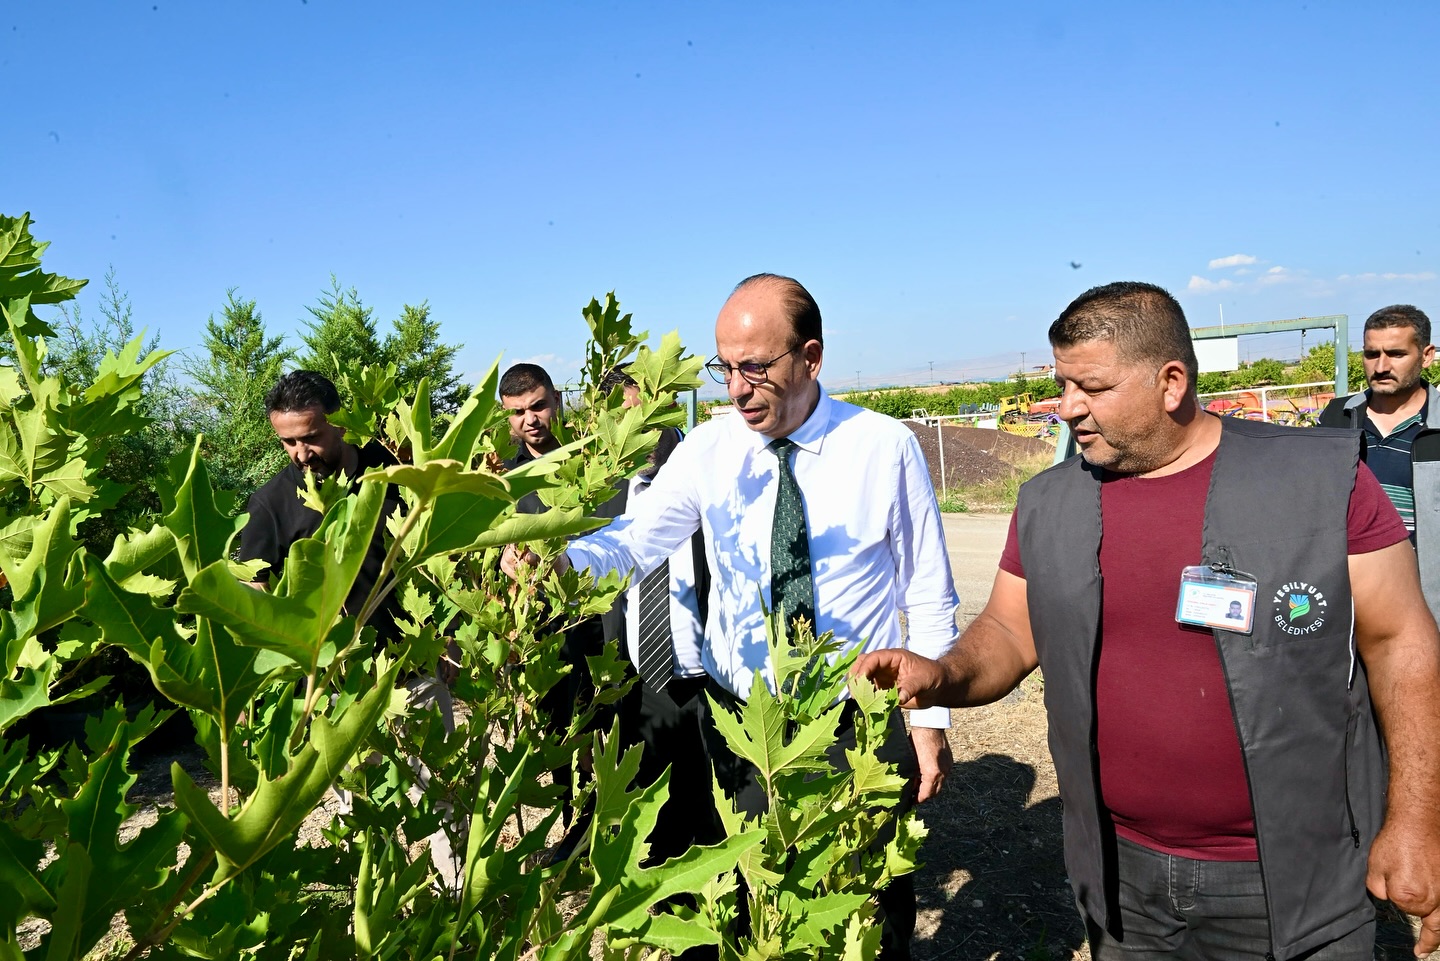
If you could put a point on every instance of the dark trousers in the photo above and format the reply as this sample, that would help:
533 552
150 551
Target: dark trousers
1174 907
569 695
670 725
740 782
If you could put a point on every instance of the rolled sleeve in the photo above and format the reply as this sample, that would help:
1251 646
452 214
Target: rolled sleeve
936 717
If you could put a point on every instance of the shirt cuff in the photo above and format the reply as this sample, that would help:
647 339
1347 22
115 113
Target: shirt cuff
936 717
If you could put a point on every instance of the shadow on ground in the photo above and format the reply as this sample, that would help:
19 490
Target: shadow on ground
994 879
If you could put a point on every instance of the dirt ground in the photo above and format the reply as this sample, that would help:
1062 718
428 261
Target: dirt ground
974 455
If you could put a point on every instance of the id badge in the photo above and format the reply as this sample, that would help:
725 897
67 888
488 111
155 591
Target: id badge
1217 596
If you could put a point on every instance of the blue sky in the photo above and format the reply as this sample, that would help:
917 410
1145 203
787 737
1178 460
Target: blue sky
928 170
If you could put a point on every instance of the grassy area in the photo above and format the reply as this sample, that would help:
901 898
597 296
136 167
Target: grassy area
996 495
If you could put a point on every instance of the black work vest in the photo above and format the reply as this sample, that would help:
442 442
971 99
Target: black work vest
1276 509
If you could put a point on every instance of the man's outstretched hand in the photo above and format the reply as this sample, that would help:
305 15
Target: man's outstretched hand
915 678
512 560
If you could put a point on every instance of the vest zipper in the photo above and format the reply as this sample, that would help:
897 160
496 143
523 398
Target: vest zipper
1349 808
1249 783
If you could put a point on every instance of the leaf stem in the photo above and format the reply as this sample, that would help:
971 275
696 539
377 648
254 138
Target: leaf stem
154 935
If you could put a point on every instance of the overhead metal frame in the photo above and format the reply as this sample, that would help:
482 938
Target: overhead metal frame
1340 323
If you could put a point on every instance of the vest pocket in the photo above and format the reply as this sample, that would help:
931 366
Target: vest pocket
1350 793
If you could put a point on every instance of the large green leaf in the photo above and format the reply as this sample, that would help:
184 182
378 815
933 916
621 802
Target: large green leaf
34 449
286 625
213 674
815 917
759 735
114 872
201 528
47 581
297 618
20 271
474 416
279 806
437 477
130 621
136 551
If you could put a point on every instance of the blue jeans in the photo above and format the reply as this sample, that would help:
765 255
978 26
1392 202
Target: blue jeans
1174 907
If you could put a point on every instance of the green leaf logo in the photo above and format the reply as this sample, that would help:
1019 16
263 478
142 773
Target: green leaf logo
1299 605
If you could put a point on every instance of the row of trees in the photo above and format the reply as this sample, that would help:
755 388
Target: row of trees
217 392
1317 366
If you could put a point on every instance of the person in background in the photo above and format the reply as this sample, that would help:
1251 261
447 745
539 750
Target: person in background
1392 413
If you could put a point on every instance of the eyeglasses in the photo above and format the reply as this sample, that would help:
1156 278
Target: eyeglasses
755 374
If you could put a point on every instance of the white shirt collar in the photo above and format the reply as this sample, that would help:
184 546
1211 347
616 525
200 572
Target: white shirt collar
809 436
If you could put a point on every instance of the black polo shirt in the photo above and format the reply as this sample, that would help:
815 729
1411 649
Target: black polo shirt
278 518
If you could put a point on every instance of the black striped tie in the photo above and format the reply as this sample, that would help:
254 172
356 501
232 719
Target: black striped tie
656 649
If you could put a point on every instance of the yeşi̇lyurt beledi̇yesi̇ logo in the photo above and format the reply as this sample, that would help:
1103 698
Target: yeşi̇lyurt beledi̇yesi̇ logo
1300 608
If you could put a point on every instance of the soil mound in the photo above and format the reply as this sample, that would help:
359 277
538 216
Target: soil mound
974 455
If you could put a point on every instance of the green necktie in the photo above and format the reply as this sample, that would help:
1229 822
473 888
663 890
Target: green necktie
791 583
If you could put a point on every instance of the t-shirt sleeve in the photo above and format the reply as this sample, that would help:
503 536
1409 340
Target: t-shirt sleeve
1010 557
1372 522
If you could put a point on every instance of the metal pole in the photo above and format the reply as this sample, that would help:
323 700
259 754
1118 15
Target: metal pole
691 409
1342 355
940 437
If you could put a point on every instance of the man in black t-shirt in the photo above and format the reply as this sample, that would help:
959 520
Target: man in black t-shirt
298 406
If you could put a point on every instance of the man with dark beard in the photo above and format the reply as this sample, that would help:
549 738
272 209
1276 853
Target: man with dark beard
298 406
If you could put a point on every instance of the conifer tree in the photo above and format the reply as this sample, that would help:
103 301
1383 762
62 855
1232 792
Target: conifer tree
241 363
340 337
414 347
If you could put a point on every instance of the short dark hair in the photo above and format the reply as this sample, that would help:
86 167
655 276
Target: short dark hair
1143 321
1401 315
804 312
302 390
617 376
523 378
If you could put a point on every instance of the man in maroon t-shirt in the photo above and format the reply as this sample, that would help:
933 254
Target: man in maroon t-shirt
1172 778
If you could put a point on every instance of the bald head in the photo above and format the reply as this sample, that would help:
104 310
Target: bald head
795 302
770 328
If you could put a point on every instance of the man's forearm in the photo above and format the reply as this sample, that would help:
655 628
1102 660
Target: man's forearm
985 665
1403 683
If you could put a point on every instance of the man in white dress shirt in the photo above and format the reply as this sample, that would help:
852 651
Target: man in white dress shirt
876 545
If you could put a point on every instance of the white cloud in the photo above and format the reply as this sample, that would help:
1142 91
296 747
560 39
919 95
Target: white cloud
1277 275
1234 260
1203 285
